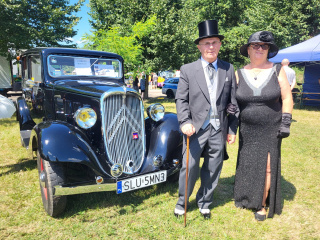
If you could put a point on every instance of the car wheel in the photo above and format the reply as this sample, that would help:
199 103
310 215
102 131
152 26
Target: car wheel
170 94
174 177
50 175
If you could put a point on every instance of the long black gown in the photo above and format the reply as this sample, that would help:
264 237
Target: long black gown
260 118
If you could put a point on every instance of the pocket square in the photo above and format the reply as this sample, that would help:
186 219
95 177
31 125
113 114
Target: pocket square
227 79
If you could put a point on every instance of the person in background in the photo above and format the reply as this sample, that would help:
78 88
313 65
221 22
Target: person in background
291 75
142 86
205 96
150 77
155 80
135 84
265 102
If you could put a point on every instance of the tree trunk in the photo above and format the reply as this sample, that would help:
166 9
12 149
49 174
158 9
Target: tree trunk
146 95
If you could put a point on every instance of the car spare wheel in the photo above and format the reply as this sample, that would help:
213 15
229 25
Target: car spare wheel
50 175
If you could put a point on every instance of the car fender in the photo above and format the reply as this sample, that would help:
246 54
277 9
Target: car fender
165 139
23 115
58 141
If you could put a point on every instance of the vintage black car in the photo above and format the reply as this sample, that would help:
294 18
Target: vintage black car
90 133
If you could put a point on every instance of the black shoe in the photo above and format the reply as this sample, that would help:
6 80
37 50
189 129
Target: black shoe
260 217
205 213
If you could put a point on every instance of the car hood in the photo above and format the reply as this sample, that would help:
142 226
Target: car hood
92 88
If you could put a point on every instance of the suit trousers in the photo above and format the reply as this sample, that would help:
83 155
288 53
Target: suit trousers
207 143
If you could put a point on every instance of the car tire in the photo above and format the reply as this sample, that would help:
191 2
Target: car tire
170 94
54 175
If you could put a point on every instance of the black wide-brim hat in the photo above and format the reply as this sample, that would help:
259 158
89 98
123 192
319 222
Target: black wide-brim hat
263 37
208 28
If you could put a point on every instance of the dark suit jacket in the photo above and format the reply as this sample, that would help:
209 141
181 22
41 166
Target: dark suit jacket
193 100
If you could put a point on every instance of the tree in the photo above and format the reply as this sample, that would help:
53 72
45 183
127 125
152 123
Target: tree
107 13
291 21
170 43
125 43
28 23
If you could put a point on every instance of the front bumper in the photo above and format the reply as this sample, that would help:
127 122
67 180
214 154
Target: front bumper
104 187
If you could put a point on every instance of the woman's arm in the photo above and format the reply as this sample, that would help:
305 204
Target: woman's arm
286 95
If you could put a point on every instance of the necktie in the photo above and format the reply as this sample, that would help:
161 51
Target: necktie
212 72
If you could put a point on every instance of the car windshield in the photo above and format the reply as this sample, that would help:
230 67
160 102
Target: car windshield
59 66
166 74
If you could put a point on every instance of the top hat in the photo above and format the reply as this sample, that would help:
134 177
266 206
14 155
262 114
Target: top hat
263 37
208 28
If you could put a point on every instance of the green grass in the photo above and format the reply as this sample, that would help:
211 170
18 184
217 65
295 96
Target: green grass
148 213
299 70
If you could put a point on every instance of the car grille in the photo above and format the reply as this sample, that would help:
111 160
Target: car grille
123 128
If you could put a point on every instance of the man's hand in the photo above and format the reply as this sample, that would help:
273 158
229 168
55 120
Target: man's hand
231 138
188 129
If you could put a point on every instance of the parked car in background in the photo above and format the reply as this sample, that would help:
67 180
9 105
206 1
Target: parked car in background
162 76
170 87
90 134
9 79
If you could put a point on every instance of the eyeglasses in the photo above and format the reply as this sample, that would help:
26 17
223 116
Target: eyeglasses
257 46
208 44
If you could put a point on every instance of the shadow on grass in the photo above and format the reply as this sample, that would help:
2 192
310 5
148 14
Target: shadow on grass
126 203
288 190
158 100
22 165
223 194
132 202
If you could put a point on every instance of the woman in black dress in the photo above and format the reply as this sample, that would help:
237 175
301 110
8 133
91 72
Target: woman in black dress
265 103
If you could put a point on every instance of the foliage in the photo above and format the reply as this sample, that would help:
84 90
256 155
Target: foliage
123 42
291 21
148 213
171 41
28 23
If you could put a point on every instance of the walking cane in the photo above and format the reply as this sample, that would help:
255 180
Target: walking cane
186 190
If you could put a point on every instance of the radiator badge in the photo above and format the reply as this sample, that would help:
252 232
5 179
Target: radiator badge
135 136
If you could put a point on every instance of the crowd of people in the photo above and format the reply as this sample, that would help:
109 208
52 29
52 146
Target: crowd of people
213 101
140 84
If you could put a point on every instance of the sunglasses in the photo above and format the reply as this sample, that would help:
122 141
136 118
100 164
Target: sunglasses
257 46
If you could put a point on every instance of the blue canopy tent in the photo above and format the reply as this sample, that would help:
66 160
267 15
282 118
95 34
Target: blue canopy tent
307 53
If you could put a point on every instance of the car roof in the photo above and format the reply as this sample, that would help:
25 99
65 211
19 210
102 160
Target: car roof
55 50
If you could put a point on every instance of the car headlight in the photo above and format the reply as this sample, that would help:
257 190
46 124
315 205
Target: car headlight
85 117
155 111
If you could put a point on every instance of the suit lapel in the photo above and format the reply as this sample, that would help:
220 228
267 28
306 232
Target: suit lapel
201 79
221 77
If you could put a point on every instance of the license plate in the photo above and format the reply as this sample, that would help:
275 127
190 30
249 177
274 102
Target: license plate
141 181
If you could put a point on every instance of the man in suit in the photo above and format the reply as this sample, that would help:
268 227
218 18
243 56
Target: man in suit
205 91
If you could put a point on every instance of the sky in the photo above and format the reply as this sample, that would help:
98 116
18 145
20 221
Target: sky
83 25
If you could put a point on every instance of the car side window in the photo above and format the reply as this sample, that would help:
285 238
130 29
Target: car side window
35 68
24 68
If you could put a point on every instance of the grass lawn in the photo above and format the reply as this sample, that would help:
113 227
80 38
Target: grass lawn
148 213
